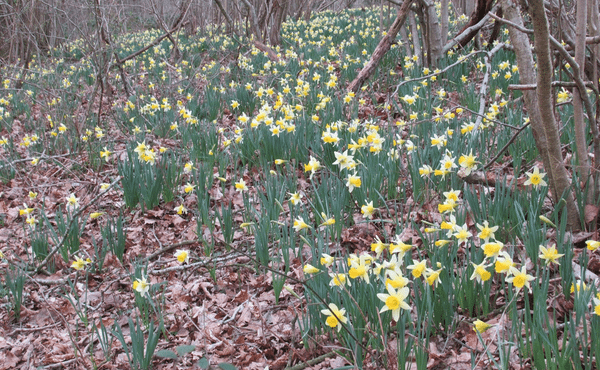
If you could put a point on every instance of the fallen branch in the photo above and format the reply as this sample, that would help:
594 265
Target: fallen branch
469 31
554 84
382 48
195 264
265 49
312 362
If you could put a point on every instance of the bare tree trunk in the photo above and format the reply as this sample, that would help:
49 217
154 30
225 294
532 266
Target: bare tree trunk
405 42
583 168
415 35
434 38
444 21
561 185
382 48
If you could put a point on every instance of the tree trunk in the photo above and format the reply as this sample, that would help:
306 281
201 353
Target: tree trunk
583 168
415 35
561 185
434 50
382 48
444 21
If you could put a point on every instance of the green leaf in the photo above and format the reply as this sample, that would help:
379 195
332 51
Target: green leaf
226 366
203 363
165 353
182 350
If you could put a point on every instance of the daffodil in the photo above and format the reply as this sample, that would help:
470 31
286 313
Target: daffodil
504 263
95 215
312 166
31 221
79 263
188 188
241 186
535 178
462 233
295 198
180 209
520 278
395 279
378 246
299 224
432 276
492 249
141 286
326 260
480 272
485 231
468 163
339 280
367 210
578 286
183 256
327 221
310 269
596 301
397 246
480 326
394 301
417 268
550 255
592 245
73 201
105 154
353 181
335 315
26 210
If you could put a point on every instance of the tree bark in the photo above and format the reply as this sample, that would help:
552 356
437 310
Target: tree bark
561 185
583 168
481 9
444 21
382 48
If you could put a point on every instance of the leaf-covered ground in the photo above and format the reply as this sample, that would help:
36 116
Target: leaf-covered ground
276 183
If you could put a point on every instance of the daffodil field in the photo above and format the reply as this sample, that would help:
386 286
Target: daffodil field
238 196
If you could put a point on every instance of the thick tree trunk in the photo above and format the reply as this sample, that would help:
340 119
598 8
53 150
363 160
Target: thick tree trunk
382 48
561 185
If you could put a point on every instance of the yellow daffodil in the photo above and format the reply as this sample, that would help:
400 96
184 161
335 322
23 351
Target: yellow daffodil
394 301
334 316
183 256
550 255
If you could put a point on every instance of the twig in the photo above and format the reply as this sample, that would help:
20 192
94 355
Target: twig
29 330
196 264
554 83
512 139
484 83
438 73
457 39
314 361
168 248
68 228
42 157
516 26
